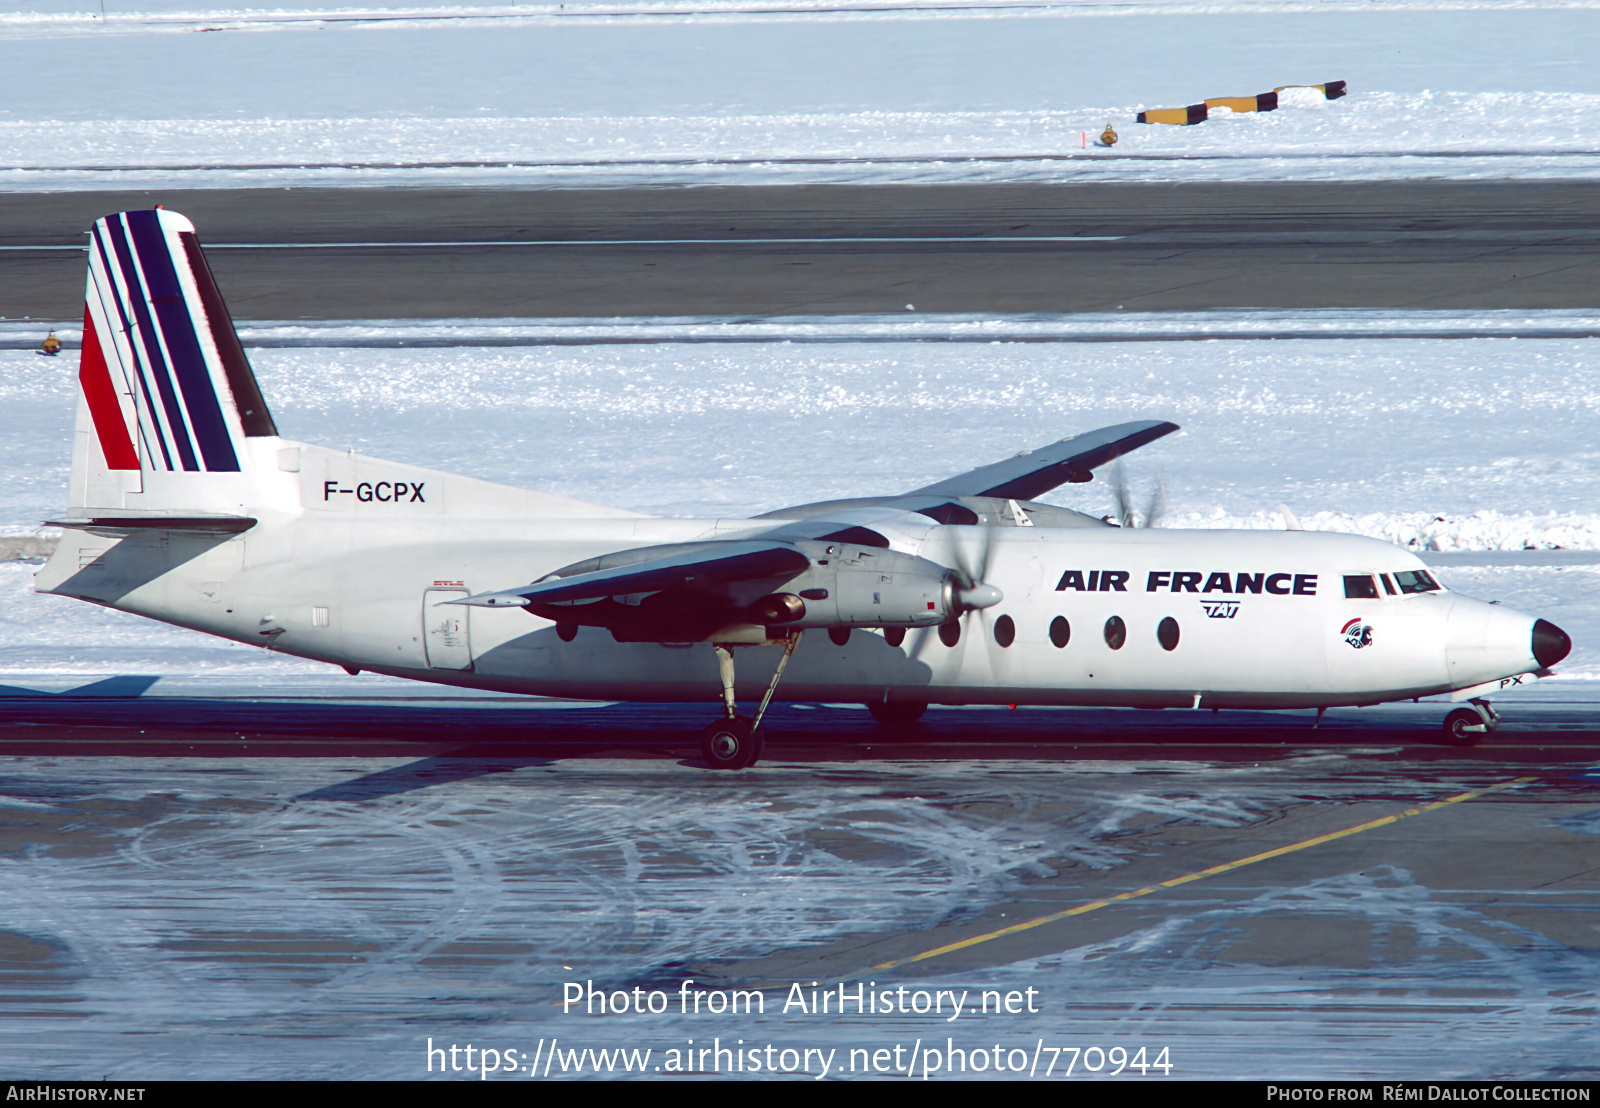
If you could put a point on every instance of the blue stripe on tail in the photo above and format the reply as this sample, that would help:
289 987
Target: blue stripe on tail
127 330
183 345
145 329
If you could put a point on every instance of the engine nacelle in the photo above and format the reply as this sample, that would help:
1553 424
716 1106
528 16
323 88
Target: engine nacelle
845 585
778 609
857 586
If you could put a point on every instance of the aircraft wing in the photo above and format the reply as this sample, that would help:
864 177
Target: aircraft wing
1035 472
716 565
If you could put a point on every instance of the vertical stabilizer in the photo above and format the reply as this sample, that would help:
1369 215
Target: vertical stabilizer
166 396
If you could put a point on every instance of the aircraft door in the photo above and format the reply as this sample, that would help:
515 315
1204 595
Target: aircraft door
447 639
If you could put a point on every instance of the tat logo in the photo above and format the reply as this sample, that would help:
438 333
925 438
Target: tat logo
1220 609
1356 633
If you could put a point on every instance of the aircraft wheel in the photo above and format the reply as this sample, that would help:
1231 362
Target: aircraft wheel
898 713
1464 727
730 744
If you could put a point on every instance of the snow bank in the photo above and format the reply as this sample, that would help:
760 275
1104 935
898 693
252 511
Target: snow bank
1367 135
974 94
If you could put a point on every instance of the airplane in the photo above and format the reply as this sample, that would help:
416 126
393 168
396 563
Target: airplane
188 506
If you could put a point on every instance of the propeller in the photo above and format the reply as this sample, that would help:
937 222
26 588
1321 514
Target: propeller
971 591
1122 500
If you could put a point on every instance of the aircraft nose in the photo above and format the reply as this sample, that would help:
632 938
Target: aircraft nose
1550 643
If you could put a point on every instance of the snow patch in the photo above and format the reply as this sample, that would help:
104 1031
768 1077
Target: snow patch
1366 135
1423 531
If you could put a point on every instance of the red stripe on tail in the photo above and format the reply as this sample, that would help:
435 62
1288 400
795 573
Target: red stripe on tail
98 390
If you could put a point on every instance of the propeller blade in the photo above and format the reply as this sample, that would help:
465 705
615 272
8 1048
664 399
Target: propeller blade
987 557
1158 501
1119 496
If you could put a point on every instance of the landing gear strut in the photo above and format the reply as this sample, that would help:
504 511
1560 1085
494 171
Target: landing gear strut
735 742
1467 726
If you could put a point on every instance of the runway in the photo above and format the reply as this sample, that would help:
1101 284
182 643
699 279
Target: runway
1256 897
354 253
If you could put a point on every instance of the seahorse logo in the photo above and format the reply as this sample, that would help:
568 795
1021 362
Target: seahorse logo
1356 633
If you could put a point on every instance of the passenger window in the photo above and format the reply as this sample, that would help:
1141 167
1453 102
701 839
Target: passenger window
1360 587
1416 580
1388 585
1060 631
1116 632
1005 631
1167 634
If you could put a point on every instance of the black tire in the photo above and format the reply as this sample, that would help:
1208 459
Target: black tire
1456 724
898 713
730 744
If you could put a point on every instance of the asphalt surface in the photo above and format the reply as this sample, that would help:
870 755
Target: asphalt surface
329 888
109 722
356 253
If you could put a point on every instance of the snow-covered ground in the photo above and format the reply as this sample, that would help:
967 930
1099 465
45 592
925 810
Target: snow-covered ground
193 11
1435 444
1359 429
972 93
908 326
1432 443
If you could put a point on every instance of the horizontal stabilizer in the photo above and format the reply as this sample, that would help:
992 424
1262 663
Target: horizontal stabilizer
705 569
1035 472
136 524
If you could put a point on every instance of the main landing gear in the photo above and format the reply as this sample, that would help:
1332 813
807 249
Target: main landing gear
735 741
1467 726
898 713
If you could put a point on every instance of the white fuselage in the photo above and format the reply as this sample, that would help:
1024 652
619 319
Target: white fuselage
343 569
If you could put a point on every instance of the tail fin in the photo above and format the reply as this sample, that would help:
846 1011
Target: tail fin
165 389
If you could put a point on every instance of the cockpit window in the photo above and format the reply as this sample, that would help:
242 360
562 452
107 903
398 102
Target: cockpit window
1388 585
1416 580
1360 588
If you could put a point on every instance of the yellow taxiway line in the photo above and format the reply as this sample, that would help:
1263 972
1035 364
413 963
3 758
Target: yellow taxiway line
1279 852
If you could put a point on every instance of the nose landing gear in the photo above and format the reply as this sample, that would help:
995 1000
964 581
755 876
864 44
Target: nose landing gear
1467 726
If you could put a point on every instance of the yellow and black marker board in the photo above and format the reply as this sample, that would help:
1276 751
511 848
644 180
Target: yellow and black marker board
1182 117
1262 102
1265 102
1332 90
